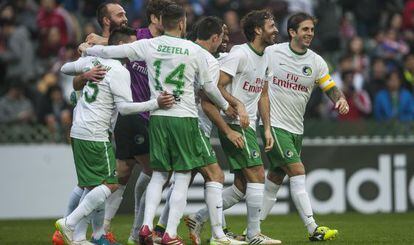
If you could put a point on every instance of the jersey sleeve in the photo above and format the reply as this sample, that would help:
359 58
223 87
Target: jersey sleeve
324 80
203 75
133 51
121 87
76 67
234 62
121 90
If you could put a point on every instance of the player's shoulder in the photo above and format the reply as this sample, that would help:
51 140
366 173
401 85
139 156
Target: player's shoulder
277 47
208 56
239 48
240 51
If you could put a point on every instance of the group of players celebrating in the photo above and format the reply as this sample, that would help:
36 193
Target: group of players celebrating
189 85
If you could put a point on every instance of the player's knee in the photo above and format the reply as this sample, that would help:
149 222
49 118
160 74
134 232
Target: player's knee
217 176
123 169
276 176
240 182
295 169
214 173
255 174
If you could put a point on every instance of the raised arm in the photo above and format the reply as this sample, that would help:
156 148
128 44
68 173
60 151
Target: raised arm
134 51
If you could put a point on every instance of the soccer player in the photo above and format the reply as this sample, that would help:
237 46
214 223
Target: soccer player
208 33
296 71
110 16
175 141
93 154
131 131
243 81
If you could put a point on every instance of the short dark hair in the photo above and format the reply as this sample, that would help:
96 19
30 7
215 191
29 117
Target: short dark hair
171 16
121 34
209 26
102 11
192 35
156 7
254 19
297 18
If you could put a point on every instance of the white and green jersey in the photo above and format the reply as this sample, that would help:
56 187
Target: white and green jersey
294 77
213 69
249 71
94 109
173 64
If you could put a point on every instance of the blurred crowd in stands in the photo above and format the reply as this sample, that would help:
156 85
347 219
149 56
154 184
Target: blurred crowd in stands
369 45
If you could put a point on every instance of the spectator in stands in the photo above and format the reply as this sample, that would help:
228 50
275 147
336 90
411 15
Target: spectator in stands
55 113
408 22
18 53
394 102
346 64
15 107
26 11
48 17
360 59
409 72
359 101
377 79
392 47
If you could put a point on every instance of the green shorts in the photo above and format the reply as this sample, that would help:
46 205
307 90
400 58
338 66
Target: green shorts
175 143
208 153
286 149
95 162
249 156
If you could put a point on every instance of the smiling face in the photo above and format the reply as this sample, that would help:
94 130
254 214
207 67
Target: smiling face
225 40
117 16
269 32
304 34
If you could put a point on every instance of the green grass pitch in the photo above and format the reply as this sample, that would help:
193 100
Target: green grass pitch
353 229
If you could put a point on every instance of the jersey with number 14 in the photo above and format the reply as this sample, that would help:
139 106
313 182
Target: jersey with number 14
294 77
173 64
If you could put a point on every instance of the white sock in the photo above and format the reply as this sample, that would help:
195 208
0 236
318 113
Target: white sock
98 216
139 195
93 199
223 221
79 234
112 205
269 198
163 220
254 200
74 199
153 197
231 196
178 201
301 199
214 201
138 218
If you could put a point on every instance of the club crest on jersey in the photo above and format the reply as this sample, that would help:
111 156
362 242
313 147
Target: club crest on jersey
289 153
307 71
255 154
